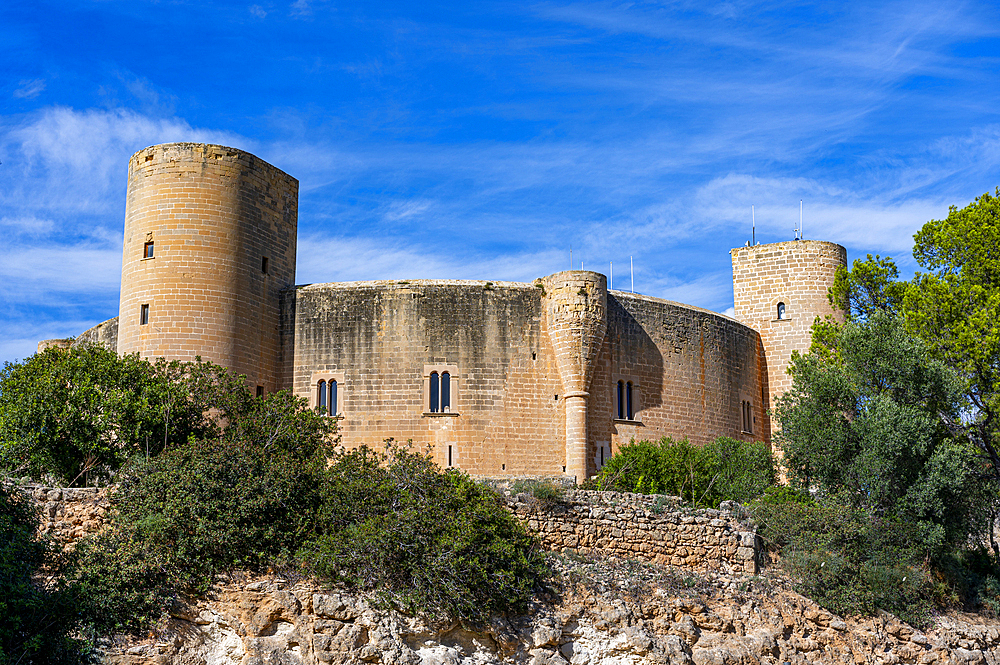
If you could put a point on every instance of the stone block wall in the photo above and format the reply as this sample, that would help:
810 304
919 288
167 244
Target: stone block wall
512 387
691 369
385 337
658 529
67 514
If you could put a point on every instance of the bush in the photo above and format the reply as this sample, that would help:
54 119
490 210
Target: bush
726 469
847 560
545 492
37 620
246 500
423 540
77 415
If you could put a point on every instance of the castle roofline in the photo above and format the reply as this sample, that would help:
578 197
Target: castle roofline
782 245
483 283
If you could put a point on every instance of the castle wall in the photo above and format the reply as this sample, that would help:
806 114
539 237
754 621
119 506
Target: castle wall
797 273
213 214
384 337
691 369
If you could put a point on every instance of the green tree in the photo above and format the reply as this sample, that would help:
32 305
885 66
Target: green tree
78 414
955 308
869 421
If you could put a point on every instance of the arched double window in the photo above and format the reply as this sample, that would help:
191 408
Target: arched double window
326 397
748 417
625 401
440 392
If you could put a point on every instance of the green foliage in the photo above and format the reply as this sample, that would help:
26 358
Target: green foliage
545 492
276 494
956 310
726 469
36 621
867 423
245 500
76 415
846 560
868 288
423 540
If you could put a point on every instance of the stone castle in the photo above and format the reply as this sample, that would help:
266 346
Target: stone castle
497 378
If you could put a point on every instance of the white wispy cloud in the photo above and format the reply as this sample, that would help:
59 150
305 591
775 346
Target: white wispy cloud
29 89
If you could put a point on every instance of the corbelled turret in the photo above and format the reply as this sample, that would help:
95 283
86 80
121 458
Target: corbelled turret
576 304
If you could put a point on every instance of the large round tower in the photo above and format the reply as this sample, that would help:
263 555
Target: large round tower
209 246
780 289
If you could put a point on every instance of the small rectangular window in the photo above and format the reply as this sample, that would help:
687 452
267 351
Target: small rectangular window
263 264
260 391
143 315
147 250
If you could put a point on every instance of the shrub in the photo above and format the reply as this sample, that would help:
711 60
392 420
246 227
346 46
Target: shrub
245 500
77 415
423 540
545 492
726 469
847 560
36 621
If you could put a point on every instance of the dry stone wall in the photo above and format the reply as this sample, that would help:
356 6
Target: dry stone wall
655 529
67 514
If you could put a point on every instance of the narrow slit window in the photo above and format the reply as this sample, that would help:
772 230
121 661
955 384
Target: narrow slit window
781 310
147 250
445 392
143 315
451 460
628 402
321 396
263 264
621 400
435 392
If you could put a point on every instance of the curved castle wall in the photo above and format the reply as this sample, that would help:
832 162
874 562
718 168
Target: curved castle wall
519 357
222 228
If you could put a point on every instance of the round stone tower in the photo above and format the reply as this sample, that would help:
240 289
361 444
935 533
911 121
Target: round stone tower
209 245
779 289
576 304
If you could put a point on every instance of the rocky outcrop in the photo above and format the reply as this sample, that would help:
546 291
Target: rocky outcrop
603 612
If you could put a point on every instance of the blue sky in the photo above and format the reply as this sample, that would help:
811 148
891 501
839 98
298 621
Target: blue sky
482 140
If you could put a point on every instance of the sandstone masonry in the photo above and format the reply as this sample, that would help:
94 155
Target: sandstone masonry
658 529
497 378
